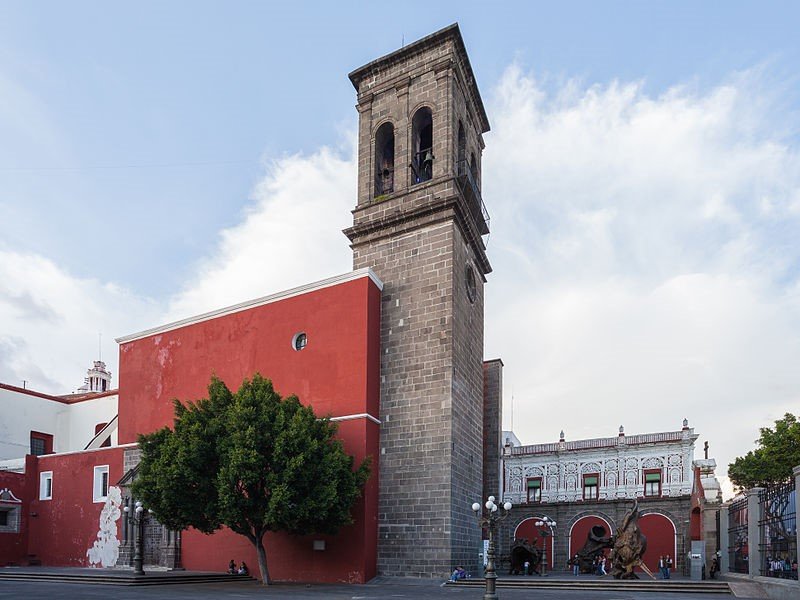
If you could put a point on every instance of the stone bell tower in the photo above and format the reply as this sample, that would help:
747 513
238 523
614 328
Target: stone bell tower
420 224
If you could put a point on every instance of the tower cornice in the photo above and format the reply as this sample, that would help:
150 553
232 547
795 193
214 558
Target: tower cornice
404 54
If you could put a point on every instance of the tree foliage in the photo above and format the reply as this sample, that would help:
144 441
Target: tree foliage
250 461
776 454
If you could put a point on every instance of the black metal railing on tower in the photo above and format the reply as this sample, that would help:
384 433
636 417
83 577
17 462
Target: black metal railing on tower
472 194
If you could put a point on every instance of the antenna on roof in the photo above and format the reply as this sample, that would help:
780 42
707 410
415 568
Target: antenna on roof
512 408
403 40
99 346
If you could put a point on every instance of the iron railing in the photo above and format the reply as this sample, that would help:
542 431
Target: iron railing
778 530
472 194
738 549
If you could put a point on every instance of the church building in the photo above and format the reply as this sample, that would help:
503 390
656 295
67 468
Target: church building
392 351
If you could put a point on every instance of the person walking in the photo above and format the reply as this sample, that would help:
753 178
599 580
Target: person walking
667 566
662 567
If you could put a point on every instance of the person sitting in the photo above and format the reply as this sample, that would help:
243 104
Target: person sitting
232 567
243 570
458 573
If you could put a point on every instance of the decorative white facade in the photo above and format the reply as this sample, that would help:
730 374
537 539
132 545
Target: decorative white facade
619 466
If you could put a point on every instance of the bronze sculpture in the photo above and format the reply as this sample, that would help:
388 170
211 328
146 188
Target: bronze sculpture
522 553
596 543
629 546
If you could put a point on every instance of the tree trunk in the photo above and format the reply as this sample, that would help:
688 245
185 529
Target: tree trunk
262 560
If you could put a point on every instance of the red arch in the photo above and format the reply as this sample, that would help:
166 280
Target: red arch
660 533
580 531
528 530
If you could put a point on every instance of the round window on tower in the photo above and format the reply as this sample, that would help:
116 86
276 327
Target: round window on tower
299 341
472 288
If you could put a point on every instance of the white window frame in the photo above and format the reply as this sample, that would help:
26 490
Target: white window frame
97 483
44 477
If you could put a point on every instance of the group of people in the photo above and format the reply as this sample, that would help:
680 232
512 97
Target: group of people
664 566
781 567
598 565
242 570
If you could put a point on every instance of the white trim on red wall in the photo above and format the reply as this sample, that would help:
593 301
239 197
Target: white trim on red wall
303 289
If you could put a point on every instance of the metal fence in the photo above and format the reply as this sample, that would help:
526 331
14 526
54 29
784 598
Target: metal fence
738 548
778 531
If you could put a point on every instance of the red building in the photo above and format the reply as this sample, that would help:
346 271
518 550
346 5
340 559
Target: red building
320 341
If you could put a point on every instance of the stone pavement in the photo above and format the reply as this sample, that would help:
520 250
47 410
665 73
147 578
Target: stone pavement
380 589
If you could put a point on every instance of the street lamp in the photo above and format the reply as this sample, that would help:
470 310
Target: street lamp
545 533
137 518
489 518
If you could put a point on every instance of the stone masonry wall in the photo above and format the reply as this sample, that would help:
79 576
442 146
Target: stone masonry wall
416 374
467 406
492 426
565 514
419 239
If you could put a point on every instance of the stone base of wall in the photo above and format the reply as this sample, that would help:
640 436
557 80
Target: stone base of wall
762 587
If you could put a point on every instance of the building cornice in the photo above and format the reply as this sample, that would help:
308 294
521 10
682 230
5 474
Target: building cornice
221 312
67 399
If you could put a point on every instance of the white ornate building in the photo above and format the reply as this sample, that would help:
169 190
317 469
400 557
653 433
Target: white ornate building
591 483
645 465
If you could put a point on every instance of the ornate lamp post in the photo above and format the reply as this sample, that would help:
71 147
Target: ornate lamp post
545 533
489 518
137 518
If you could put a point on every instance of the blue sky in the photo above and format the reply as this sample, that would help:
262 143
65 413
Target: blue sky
160 159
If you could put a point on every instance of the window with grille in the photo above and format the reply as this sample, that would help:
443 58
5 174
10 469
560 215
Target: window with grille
652 485
41 443
590 486
46 485
100 492
534 490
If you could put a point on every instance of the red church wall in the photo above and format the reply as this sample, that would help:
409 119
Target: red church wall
331 373
14 546
337 373
660 533
64 528
580 531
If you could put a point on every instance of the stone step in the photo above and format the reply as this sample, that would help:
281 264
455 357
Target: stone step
613 585
124 579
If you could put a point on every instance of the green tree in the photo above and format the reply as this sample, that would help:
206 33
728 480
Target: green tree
250 461
776 454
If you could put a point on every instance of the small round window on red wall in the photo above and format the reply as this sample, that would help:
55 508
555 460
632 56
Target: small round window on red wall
299 341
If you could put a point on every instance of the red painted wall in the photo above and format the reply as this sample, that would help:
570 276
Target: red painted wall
14 546
64 528
660 535
338 374
527 530
580 532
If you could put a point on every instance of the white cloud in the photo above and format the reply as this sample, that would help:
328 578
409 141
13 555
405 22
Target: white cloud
50 320
291 235
644 250
645 259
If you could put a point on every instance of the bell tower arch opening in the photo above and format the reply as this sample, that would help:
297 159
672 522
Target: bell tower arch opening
384 159
422 145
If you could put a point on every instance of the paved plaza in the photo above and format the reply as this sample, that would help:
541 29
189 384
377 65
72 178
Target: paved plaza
377 590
